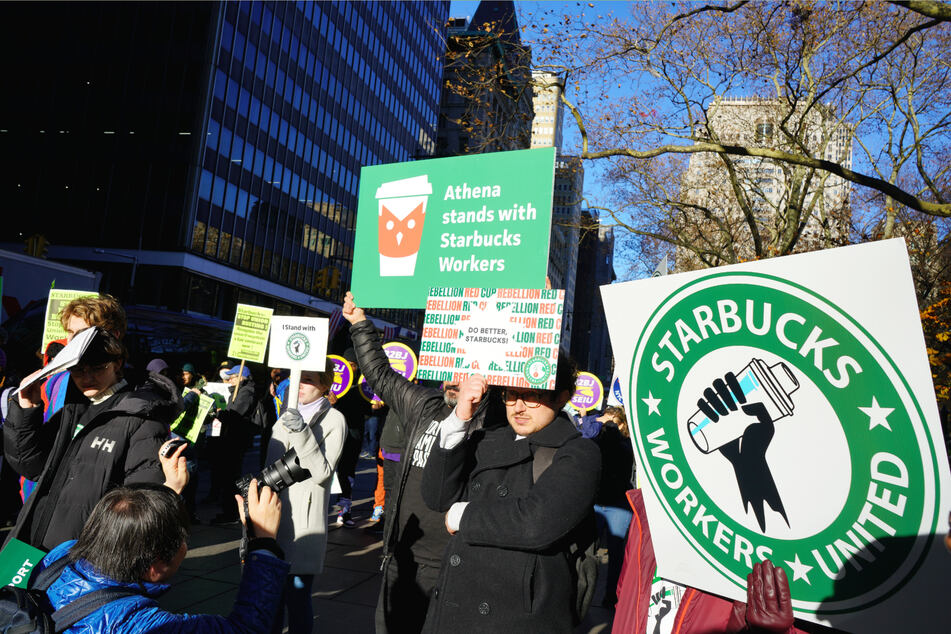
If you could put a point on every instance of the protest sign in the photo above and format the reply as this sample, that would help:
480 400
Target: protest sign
249 335
402 359
784 409
58 298
589 393
17 561
298 343
367 392
508 335
343 375
477 221
615 397
188 425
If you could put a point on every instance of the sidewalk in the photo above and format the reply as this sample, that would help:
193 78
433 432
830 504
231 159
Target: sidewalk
345 594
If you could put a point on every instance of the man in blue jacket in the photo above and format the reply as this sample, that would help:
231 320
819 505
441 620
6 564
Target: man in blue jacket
135 539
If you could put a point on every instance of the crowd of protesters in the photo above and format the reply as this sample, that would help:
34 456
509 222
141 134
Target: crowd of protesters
491 502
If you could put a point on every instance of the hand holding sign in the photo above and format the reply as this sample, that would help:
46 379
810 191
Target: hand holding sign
351 312
768 602
471 392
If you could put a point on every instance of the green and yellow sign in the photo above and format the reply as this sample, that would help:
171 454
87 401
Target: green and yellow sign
480 221
58 298
249 336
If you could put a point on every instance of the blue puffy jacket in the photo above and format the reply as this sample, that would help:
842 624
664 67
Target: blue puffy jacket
254 609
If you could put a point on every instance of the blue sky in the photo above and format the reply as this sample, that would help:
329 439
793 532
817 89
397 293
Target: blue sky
592 190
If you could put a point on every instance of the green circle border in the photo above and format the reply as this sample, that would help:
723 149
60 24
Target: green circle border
933 462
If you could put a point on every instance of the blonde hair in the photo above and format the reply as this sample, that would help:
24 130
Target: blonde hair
104 311
620 419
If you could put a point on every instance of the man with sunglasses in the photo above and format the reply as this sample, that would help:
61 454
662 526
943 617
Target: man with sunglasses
513 514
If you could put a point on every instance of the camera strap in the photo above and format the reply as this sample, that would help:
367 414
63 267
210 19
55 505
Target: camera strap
247 532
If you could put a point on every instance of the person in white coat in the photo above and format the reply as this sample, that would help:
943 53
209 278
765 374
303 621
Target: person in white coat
317 432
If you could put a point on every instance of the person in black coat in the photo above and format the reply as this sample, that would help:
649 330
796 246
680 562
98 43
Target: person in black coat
506 567
414 536
236 434
106 435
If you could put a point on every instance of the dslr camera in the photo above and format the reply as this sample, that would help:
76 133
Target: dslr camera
279 475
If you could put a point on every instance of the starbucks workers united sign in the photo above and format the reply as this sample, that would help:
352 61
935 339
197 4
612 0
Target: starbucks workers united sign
784 410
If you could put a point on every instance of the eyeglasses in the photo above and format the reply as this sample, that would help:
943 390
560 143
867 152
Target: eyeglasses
81 370
531 398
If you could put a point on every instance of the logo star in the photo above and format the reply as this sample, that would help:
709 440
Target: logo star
800 570
877 415
652 404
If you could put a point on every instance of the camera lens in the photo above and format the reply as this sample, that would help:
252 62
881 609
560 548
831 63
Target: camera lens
284 472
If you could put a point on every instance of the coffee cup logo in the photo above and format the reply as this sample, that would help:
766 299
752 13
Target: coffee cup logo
402 212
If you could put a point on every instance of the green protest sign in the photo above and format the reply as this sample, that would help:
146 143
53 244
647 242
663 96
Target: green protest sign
58 298
188 424
249 336
472 221
17 561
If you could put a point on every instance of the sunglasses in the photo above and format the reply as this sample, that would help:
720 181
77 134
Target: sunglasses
531 398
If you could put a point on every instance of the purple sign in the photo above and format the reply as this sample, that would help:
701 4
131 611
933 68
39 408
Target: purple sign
343 376
402 359
588 392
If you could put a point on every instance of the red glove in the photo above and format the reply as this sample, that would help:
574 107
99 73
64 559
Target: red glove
769 604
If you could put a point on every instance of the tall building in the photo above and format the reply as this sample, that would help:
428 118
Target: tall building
487 105
205 154
566 200
565 236
780 197
549 110
591 343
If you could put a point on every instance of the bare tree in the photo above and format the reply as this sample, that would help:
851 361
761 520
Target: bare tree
854 105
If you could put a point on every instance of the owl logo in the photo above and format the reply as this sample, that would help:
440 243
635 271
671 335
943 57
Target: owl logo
400 237
402 212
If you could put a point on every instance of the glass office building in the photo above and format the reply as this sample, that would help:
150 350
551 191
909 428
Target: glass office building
205 154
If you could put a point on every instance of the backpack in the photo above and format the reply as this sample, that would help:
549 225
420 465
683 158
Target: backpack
582 545
28 610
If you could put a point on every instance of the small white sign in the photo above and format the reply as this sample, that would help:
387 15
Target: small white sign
298 343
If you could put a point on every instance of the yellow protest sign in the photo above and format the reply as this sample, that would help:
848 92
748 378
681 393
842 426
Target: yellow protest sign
58 298
249 336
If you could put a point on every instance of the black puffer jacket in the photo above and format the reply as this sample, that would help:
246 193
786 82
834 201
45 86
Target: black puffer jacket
508 568
119 445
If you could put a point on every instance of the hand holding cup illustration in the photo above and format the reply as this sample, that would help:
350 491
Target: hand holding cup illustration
761 393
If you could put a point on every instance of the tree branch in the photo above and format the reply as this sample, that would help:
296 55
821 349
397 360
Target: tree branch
928 8
930 208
